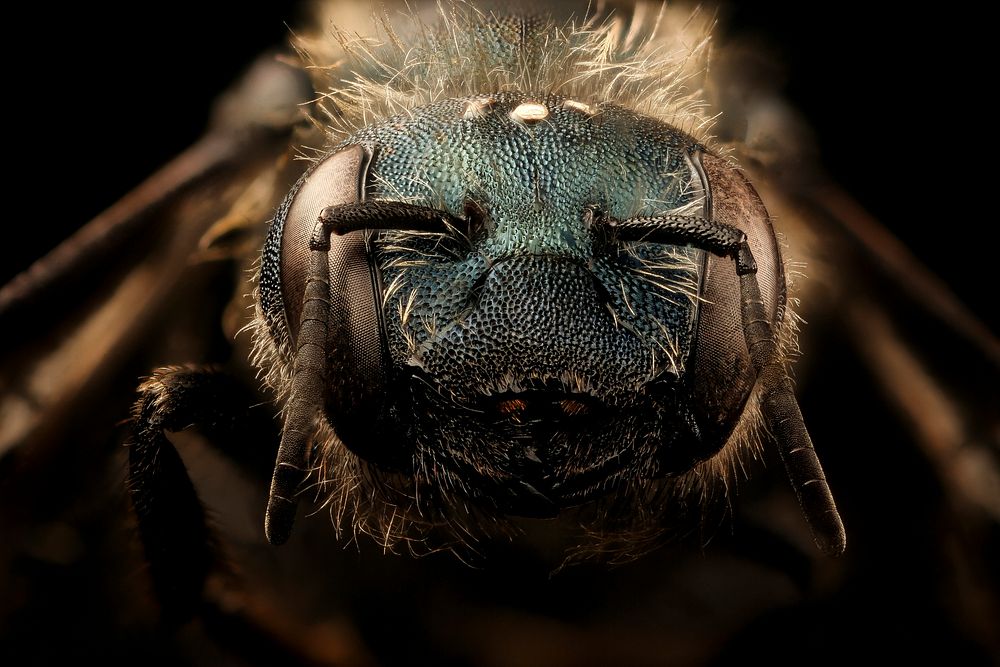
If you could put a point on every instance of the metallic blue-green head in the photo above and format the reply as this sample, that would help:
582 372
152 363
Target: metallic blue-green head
519 282
522 360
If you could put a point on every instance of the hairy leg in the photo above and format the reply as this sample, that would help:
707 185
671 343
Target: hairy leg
179 545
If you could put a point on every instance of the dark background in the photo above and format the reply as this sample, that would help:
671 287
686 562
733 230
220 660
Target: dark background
102 97
105 96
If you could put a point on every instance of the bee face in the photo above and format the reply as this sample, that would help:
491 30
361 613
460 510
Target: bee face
525 359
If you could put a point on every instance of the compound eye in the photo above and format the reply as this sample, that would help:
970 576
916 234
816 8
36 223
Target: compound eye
338 179
357 364
723 374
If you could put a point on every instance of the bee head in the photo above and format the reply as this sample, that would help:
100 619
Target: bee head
521 356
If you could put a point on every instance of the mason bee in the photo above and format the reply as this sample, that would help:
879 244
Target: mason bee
797 566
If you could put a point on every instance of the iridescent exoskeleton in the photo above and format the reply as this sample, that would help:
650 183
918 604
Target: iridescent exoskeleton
525 290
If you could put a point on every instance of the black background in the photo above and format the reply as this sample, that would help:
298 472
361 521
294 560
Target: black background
106 95
100 97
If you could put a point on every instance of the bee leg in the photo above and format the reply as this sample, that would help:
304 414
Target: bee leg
253 121
179 545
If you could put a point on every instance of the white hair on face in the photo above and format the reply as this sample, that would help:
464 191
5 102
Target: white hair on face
651 59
